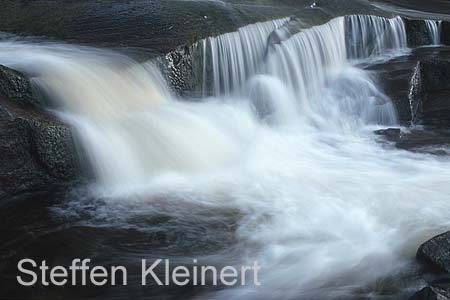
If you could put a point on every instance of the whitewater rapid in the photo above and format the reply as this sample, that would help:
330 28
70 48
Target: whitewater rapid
323 206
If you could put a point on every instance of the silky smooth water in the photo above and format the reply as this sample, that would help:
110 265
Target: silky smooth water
434 28
323 207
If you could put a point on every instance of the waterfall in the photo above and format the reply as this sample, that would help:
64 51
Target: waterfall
304 64
280 78
286 147
236 56
373 35
434 28
302 61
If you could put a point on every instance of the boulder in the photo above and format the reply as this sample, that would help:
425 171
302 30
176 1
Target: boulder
435 253
431 293
37 149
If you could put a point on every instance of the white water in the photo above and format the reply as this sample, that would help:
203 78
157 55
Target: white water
434 28
325 208
372 35
236 56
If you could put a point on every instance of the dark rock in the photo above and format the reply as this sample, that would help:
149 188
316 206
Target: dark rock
436 74
15 86
159 26
425 141
184 69
395 80
445 33
431 293
392 134
432 97
417 33
418 85
37 149
418 7
435 253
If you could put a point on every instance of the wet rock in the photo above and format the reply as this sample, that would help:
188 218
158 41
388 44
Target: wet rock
418 85
37 149
433 95
417 33
285 32
392 134
445 33
433 141
15 87
395 79
431 293
184 69
158 25
435 253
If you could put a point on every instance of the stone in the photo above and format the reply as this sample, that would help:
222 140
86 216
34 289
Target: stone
431 293
417 33
15 86
393 134
435 253
37 149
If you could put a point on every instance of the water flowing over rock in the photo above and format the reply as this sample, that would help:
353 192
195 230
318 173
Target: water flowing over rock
434 30
278 149
373 35
423 32
419 97
239 55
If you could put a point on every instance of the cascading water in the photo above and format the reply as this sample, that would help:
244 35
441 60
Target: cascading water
302 63
320 203
373 35
434 28
237 55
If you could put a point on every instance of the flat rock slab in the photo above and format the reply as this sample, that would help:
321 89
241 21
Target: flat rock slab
158 26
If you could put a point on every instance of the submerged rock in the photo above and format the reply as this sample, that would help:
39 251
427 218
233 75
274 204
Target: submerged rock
435 141
37 149
431 293
435 253
392 134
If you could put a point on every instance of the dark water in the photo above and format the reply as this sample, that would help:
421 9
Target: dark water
51 226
